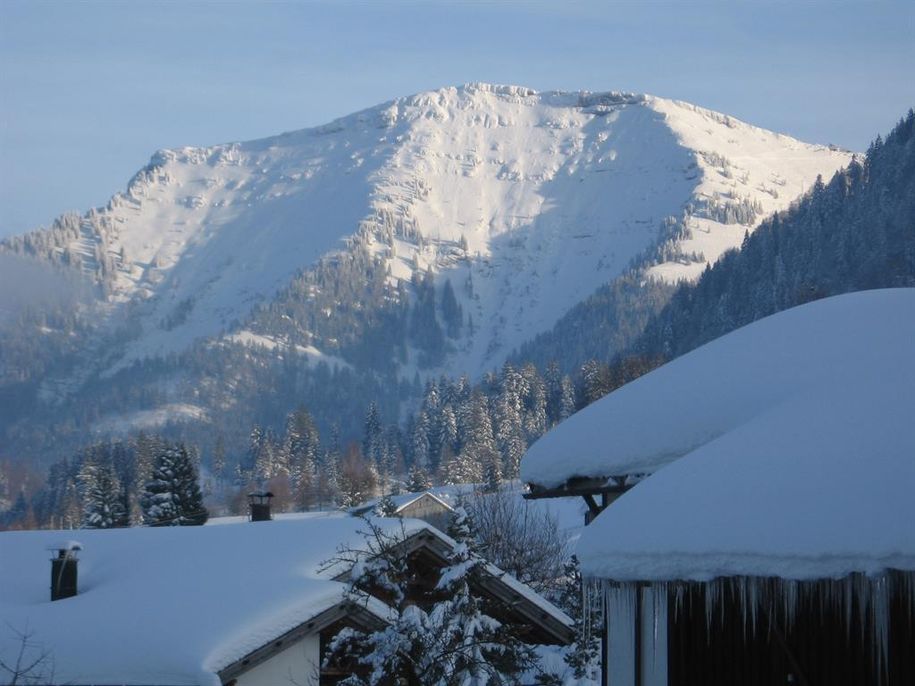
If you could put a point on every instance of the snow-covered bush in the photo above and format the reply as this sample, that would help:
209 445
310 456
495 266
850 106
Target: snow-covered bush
441 635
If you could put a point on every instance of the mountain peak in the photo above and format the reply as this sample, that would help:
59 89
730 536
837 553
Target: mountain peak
524 201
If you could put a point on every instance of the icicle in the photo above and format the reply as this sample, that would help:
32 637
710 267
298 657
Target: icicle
880 615
742 583
790 594
680 598
848 596
586 609
861 591
754 602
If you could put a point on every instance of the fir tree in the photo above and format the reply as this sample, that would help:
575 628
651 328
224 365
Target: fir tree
301 445
372 438
451 311
103 505
218 462
446 638
386 507
479 649
418 480
172 495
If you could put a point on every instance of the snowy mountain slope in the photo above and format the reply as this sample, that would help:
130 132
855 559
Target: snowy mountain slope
553 193
526 202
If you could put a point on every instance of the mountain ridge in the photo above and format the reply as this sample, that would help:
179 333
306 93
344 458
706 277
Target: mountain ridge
523 202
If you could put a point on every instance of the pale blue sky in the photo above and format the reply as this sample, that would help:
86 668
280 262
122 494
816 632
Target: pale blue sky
89 90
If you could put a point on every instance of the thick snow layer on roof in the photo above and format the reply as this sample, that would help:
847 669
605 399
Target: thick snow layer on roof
171 605
817 483
726 383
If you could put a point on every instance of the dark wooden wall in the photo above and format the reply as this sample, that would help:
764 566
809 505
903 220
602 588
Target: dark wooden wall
819 648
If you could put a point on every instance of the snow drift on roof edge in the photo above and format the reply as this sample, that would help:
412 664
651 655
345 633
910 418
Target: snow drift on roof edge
723 384
819 486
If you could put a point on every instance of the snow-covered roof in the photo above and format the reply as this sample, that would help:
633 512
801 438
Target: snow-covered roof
815 482
176 605
444 495
172 605
726 383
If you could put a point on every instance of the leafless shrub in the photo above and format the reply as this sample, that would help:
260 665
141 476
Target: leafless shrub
520 537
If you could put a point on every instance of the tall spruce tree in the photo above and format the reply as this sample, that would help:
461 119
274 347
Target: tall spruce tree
103 503
172 495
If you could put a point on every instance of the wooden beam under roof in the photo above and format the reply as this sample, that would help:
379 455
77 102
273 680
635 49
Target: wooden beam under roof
609 488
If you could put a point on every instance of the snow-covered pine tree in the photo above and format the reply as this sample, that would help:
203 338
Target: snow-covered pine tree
329 474
451 311
509 432
449 429
391 457
479 649
271 460
386 507
301 445
218 458
567 399
553 381
418 480
172 495
420 441
479 447
103 505
372 436
432 410
444 638
533 413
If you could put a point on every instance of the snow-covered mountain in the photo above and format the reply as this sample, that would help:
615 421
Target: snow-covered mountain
526 202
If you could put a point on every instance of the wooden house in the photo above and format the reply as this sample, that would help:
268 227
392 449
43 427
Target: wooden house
234 604
751 503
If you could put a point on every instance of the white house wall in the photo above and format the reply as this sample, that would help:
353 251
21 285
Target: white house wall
297 665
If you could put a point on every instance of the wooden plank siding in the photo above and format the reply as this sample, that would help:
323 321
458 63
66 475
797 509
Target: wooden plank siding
819 647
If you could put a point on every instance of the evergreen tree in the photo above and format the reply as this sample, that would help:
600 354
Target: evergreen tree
172 495
302 446
567 399
372 438
455 642
479 648
418 480
386 507
479 446
451 311
103 505
553 381
509 431
219 458
420 441
330 472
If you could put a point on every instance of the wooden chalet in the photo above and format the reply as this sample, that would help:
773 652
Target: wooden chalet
240 603
750 504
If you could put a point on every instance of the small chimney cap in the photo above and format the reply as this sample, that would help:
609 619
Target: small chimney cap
260 494
66 546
